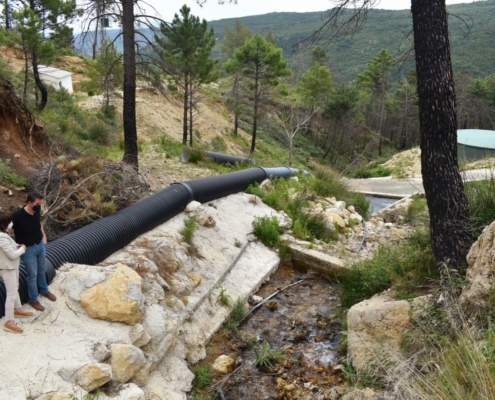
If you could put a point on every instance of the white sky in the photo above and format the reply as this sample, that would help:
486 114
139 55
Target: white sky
211 10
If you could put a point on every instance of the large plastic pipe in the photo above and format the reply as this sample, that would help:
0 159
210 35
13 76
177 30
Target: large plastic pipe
217 157
93 243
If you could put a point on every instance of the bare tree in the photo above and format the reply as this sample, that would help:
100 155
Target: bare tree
295 118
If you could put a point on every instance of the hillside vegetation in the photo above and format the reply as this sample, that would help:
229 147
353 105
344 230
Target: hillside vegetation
472 37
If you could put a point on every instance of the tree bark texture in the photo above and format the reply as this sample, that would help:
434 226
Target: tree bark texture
444 189
255 109
190 113
37 79
39 82
7 15
130 129
185 108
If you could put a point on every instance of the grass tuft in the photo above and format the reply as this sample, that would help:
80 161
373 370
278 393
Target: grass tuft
267 230
266 357
189 228
202 377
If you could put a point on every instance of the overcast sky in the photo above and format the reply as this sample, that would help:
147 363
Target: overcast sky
211 10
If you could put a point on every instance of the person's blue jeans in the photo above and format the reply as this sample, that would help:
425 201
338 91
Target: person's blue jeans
34 261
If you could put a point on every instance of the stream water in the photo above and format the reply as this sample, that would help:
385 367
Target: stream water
300 323
379 203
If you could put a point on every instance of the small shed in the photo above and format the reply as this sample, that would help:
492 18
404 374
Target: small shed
57 78
474 144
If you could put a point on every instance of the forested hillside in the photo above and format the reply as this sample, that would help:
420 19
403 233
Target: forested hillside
472 29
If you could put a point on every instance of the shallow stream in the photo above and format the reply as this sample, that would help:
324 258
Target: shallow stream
299 322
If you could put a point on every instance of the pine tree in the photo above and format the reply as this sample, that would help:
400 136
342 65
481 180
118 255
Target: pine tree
233 39
375 79
186 46
36 17
260 64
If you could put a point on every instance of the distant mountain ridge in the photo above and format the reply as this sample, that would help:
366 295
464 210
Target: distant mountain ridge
473 54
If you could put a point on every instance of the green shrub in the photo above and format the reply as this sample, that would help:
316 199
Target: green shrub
406 265
255 189
417 212
481 200
223 298
8 176
284 252
371 171
239 309
189 228
218 144
328 183
97 133
267 230
265 356
170 146
365 279
109 114
274 200
309 227
196 156
202 377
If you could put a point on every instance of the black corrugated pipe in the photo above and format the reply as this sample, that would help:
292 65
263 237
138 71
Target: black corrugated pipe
93 243
219 158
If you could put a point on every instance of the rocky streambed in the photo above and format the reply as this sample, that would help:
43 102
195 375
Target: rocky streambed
299 323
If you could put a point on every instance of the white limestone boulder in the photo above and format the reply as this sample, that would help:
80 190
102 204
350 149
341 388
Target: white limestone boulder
306 258
127 360
223 364
162 327
93 376
139 337
481 269
170 253
376 328
117 299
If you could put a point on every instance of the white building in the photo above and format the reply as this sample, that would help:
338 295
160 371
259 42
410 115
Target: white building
56 77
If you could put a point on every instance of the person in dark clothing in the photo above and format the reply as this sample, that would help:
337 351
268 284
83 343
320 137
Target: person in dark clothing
29 231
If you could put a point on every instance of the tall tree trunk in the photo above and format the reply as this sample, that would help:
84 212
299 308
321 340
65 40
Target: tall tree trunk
186 104
290 148
39 82
236 100
129 109
382 117
405 123
190 114
37 79
236 124
444 189
255 114
95 42
7 14
26 72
